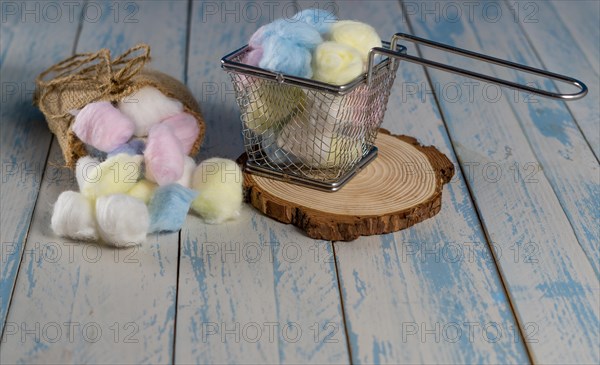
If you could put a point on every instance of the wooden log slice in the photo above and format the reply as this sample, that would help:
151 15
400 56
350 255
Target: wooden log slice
401 187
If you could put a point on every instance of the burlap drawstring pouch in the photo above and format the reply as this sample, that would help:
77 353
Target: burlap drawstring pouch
89 77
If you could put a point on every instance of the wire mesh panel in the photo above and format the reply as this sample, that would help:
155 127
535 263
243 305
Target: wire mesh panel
308 131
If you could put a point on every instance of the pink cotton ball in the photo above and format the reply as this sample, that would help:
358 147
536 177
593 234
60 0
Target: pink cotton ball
185 127
253 57
102 126
258 37
163 155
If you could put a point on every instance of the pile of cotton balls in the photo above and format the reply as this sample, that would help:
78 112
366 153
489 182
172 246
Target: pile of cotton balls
314 44
138 178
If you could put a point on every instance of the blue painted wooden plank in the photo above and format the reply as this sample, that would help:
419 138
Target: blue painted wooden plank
581 20
542 262
565 158
127 296
30 43
431 293
251 290
559 50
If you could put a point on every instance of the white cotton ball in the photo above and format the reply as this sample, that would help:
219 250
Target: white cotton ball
188 169
73 217
147 107
318 147
219 184
122 220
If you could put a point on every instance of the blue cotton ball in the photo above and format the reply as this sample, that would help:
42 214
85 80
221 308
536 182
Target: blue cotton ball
133 147
262 33
301 34
320 19
285 47
96 153
169 207
283 56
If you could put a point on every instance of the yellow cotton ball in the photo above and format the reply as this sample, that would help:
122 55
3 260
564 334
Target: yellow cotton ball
219 184
342 151
143 190
336 63
117 174
270 104
355 34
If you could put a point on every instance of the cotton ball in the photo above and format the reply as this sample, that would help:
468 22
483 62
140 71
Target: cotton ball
255 52
102 126
117 174
253 56
299 33
87 170
334 112
185 128
147 107
258 37
189 165
133 147
286 57
122 220
94 152
318 146
73 217
143 190
274 154
337 63
169 207
163 156
219 183
321 19
287 47
357 35
270 105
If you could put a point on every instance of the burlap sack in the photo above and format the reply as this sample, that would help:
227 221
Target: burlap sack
90 77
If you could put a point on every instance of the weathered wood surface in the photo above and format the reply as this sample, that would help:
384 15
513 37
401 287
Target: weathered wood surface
29 45
554 129
571 44
514 256
551 283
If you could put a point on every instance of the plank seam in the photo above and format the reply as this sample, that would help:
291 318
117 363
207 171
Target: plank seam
185 81
176 299
337 276
471 196
187 42
78 31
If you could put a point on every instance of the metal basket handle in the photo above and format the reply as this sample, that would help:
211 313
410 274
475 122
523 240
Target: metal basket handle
391 52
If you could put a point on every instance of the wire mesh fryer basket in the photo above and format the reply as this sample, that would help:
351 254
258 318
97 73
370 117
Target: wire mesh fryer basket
321 135
308 133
